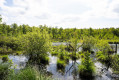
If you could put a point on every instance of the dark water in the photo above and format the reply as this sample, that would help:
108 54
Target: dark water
69 74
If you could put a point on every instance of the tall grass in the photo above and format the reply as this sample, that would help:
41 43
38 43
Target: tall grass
29 73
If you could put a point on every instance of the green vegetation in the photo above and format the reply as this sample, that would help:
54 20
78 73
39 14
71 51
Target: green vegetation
37 45
115 63
88 44
29 73
5 67
87 68
61 64
35 42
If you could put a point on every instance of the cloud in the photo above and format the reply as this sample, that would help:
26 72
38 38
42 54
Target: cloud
59 12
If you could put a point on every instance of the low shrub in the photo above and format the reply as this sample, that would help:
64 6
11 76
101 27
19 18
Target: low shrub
5 70
86 69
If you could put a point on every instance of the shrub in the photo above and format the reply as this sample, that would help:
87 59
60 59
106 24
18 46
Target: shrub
88 43
36 46
86 69
5 70
115 63
103 46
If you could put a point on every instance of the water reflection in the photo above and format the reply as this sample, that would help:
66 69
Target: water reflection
72 74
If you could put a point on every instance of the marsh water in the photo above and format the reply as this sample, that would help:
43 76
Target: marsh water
70 71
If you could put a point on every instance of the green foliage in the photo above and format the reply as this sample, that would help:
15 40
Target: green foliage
61 64
59 34
5 68
29 73
10 42
86 69
88 44
101 56
103 46
54 53
74 56
115 63
36 45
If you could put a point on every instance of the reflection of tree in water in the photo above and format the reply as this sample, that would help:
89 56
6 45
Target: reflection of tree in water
61 70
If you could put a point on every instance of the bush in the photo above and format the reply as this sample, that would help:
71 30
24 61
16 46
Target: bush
103 46
115 63
86 69
5 70
88 44
36 46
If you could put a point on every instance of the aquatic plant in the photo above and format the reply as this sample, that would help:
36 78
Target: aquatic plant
86 69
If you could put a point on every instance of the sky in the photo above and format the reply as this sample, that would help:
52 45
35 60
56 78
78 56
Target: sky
61 13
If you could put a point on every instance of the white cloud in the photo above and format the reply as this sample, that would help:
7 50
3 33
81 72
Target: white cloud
69 13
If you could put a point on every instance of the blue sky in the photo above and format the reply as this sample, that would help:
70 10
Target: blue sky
62 13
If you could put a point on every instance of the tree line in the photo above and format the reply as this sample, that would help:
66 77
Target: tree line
59 34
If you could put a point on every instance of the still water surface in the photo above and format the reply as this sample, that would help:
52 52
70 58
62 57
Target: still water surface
19 62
